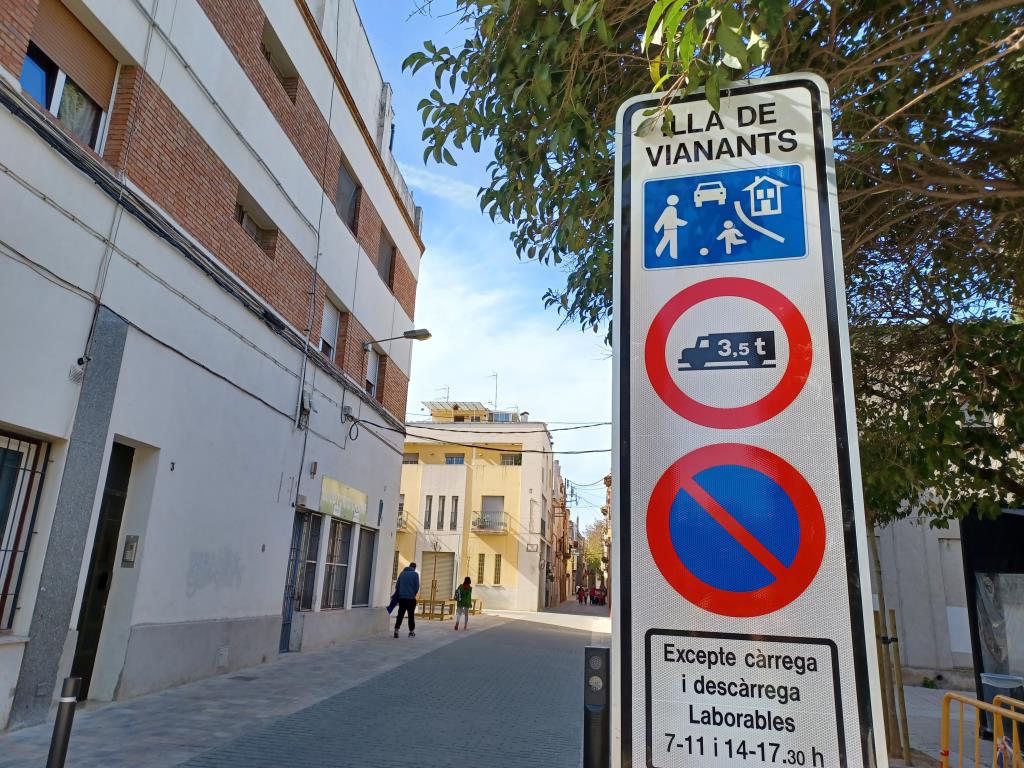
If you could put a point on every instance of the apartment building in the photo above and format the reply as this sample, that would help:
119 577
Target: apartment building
480 490
208 266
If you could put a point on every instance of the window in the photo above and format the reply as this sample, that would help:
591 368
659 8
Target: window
329 329
427 511
475 418
440 513
455 458
59 94
255 222
68 72
277 58
310 549
410 458
364 567
372 366
385 258
501 417
348 196
481 563
454 522
497 569
336 565
23 463
511 459
401 503
394 568
458 419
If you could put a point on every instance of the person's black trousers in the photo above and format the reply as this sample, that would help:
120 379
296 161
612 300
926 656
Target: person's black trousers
406 605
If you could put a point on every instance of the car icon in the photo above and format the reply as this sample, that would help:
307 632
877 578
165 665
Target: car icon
709 191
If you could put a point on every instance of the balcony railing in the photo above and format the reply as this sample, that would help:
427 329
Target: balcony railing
490 522
404 521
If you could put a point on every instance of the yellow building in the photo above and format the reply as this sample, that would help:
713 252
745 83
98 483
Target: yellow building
479 493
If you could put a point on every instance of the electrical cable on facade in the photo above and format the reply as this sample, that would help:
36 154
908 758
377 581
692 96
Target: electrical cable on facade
481 447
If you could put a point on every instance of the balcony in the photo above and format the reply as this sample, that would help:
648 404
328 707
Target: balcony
490 522
404 522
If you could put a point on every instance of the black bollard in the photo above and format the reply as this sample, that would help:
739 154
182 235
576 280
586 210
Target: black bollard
596 706
62 725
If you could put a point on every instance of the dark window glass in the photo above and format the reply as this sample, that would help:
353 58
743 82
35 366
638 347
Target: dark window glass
440 513
364 567
310 550
385 258
455 513
426 512
38 76
348 196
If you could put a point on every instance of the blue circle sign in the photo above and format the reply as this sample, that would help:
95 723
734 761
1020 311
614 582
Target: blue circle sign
736 530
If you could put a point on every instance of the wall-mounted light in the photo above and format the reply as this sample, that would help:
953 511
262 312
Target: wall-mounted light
415 334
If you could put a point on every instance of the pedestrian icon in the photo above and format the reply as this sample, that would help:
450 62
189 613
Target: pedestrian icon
668 223
731 235
730 216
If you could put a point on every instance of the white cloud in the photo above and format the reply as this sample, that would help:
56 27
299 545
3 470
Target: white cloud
445 187
482 321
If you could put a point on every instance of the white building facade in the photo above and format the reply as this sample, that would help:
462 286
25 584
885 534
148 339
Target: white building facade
203 236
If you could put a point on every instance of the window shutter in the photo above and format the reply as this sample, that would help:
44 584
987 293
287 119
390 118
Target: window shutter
73 48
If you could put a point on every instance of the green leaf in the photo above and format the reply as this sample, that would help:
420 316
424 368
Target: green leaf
448 157
711 91
652 20
732 45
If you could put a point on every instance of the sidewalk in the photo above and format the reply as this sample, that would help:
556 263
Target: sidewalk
569 615
170 727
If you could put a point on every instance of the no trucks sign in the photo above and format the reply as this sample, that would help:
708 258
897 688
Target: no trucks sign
743 629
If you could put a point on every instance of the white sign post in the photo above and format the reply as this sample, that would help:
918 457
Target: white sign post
743 621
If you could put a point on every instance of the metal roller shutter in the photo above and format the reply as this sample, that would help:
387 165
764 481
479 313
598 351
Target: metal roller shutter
440 567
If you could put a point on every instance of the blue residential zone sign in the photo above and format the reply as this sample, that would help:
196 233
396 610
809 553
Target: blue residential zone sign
724 218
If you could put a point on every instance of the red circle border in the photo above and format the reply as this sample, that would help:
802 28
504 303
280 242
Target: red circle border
759 602
771 405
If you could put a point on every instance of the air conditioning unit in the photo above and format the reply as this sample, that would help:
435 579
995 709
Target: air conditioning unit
300 500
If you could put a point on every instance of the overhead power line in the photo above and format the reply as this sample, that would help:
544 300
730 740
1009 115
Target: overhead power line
439 428
472 445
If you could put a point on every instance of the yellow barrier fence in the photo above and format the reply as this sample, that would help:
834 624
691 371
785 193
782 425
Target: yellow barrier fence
1007 733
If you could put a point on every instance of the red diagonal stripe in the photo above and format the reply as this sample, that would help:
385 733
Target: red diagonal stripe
734 528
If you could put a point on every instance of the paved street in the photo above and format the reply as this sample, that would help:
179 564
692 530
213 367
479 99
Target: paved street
507 693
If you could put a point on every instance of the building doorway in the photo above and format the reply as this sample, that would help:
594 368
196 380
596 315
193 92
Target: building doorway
437 577
101 564
364 567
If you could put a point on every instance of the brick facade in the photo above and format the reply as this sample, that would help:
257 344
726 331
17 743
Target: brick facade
403 285
171 163
240 23
392 388
16 20
368 227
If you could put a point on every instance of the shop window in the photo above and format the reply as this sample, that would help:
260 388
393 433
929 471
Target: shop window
336 566
364 567
310 549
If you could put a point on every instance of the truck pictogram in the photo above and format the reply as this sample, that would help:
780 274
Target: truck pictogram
741 349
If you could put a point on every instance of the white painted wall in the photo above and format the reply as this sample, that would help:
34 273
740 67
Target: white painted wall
215 530
922 569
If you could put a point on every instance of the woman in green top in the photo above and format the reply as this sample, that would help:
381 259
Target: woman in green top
463 602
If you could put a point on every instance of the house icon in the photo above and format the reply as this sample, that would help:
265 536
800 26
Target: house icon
765 196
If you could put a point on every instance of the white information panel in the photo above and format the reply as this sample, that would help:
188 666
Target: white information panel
742 634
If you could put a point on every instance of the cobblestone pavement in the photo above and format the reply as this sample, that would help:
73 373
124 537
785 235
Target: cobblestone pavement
507 697
505 694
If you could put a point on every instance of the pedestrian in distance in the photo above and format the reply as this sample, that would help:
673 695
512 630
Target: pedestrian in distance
579 595
463 603
407 588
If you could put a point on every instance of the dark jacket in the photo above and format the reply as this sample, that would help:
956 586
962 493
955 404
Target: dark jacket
408 585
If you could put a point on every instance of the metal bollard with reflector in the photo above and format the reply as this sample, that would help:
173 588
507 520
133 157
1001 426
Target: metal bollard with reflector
596 690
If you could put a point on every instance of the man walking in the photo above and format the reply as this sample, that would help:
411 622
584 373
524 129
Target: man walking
407 588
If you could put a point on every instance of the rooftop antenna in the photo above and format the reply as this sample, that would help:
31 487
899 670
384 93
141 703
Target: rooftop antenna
494 375
447 392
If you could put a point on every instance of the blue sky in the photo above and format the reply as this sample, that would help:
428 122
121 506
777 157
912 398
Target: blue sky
481 303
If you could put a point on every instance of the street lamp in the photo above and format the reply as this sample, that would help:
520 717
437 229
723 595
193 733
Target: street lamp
416 334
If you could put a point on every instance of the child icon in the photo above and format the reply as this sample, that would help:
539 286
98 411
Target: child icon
669 221
731 236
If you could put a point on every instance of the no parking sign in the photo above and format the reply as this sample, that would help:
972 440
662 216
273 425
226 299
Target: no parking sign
743 634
